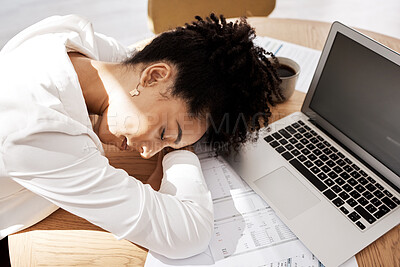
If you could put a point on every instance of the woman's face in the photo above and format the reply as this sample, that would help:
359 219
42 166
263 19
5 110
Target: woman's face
149 121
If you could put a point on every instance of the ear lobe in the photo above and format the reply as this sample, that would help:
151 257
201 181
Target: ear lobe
155 73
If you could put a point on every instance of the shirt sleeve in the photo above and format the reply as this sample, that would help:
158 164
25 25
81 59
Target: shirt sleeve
68 170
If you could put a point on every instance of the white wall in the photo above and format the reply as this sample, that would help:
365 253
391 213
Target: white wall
381 16
126 20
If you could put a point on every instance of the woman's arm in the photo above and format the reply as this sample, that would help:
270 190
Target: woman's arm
155 178
68 170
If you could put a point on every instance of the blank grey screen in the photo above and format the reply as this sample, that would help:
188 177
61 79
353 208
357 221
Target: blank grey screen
359 93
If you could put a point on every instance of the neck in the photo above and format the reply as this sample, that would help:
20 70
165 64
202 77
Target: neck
97 80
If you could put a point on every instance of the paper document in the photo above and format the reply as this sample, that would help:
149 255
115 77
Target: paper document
246 230
306 57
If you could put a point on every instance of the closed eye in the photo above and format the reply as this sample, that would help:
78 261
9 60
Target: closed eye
162 134
178 139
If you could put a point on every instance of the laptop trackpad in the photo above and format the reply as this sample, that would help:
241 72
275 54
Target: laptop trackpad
286 192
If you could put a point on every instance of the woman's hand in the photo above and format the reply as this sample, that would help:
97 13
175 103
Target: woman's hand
155 178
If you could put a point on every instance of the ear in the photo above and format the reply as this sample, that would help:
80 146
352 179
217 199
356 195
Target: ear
156 73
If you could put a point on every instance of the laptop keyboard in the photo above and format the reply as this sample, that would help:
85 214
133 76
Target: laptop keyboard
349 188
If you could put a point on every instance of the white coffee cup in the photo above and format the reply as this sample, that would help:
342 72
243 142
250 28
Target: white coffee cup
288 76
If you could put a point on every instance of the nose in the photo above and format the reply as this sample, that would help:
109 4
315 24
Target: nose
145 152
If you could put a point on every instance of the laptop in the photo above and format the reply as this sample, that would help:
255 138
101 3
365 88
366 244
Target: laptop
332 171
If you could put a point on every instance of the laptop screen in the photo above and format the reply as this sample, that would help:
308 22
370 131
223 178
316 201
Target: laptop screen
359 93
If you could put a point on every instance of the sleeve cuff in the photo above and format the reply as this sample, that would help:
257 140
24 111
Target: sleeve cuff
182 176
181 157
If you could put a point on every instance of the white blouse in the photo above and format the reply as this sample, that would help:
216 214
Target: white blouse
50 156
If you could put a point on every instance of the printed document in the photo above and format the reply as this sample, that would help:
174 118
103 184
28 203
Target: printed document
246 230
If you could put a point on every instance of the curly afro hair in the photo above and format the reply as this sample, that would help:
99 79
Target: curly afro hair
222 76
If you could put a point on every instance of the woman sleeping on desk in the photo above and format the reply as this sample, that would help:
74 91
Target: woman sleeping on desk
207 78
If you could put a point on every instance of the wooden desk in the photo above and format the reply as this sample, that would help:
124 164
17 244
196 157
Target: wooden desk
63 239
